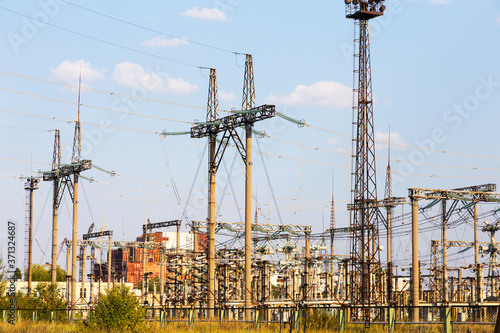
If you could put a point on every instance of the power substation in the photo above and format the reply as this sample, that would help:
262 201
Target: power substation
277 271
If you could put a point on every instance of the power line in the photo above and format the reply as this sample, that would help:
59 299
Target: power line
104 41
94 107
266 135
34 115
149 29
104 92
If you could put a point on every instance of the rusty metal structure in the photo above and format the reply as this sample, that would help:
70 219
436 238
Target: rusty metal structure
365 255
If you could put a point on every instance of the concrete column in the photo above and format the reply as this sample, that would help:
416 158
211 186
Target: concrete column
211 229
459 286
332 252
30 236
195 239
178 239
162 281
83 271
143 287
74 239
68 261
248 223
389 254
389 235
445 253
479 284
55 217
109 263
195 269
307 268
415 276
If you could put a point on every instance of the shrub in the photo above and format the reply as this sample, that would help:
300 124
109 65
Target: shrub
117 310
321 319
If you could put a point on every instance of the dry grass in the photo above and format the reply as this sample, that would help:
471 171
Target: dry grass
26 326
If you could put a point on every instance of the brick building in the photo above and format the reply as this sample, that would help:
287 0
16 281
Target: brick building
128 262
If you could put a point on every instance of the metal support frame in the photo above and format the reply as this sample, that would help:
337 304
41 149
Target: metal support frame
365 253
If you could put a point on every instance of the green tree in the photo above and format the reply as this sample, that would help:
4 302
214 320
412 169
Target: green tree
60 274
2 268
45 299
38 273
3 283
117 310
17 274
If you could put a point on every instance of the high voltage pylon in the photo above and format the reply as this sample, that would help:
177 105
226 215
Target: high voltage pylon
365 256
228 125
60 175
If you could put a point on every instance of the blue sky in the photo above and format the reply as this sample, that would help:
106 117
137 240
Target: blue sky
436 83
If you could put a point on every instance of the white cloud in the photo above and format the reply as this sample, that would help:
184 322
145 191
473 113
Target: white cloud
321 93
135 76
162 42
227 97
435 2
440 2
388 102
69 71
381 140
498 20
179 86
333 141
211 14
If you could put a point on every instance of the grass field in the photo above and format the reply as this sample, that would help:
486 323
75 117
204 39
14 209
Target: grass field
215 327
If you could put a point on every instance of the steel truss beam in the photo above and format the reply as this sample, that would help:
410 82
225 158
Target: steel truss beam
433 194
261 227
150 226
237 119
98 234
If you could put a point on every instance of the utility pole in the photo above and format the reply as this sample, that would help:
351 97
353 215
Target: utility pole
332 233
248 102
55 177
212 114
415 272
445 252
478 267
30 185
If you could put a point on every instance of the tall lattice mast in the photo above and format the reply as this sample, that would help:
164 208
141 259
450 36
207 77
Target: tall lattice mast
388 176
77 141
332 209
248 100
364 219
213 97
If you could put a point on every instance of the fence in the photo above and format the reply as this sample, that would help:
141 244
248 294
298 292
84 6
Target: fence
437 318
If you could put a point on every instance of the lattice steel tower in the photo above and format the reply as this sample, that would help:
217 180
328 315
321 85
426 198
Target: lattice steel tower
366 282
